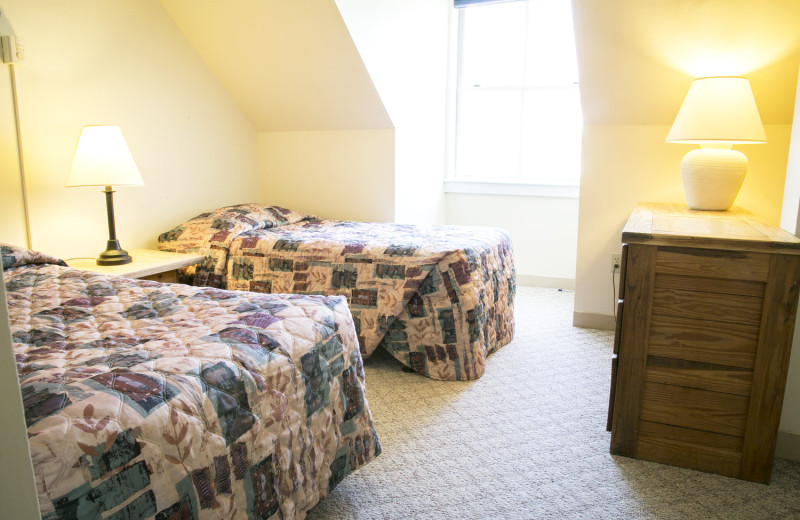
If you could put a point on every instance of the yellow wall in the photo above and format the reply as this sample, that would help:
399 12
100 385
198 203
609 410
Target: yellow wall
636 61
97 62
290 65
326 144
627 164
345 175
123 63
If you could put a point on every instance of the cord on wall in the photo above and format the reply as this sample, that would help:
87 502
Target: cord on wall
614 290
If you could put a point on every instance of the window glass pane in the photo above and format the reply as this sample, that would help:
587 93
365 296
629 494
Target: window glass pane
551 44
518 104
488 134
493 45
551 134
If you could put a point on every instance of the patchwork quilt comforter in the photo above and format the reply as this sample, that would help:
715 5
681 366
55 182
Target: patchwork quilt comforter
149 400
438 298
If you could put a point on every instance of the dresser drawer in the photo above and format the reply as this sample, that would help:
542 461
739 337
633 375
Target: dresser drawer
713 263
704 341
720 308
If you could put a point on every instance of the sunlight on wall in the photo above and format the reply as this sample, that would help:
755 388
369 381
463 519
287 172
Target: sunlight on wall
734 41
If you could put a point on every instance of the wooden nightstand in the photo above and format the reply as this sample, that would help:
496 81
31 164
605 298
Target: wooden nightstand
147 264
705 319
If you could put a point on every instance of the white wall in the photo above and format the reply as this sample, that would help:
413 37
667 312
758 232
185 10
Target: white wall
791 191
543 231
404 46
124 63
343 175
790 418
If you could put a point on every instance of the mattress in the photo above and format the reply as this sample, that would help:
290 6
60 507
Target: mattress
150 400
438 298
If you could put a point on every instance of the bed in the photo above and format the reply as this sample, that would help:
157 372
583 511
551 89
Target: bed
165 401
438 298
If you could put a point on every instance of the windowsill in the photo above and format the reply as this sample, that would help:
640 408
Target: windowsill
570 191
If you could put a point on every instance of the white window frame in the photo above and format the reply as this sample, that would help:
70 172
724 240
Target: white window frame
453 184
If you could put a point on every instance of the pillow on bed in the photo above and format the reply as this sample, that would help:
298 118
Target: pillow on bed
220 226
268 216
15 256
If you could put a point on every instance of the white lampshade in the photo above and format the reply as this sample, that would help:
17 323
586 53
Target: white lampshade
102 158
718 110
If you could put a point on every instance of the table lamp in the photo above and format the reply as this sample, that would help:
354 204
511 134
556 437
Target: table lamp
716 114
102 158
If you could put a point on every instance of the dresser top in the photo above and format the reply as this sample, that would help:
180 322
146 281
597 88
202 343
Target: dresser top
677 225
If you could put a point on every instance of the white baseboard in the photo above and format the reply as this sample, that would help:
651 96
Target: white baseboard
590 320
546 281
788 446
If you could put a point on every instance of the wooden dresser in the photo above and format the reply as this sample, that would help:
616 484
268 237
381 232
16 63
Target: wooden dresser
706 312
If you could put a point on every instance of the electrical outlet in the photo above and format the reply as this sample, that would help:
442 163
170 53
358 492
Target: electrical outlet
616 262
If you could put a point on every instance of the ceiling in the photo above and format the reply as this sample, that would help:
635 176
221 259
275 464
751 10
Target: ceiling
291 65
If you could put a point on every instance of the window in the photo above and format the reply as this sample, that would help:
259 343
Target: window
517 105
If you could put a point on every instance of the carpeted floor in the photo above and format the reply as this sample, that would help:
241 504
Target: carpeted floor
528 441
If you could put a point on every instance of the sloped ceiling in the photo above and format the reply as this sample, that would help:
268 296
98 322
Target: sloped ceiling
638 57
289 64
292 65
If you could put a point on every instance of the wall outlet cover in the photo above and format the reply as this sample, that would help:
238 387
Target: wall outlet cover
616 261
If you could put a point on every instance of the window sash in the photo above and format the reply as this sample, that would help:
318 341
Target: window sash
511 142
467 179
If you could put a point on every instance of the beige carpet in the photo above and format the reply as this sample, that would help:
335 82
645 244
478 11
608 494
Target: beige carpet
528 441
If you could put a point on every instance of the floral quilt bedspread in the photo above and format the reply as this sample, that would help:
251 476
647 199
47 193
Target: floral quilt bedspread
149 400
438 298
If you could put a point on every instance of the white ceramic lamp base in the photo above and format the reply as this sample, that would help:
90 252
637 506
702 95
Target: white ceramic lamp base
712 177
